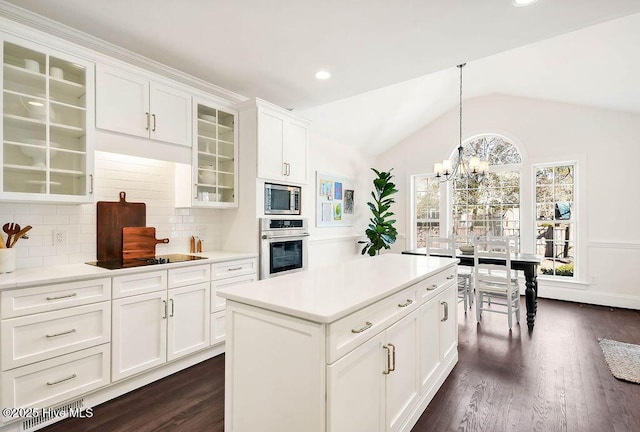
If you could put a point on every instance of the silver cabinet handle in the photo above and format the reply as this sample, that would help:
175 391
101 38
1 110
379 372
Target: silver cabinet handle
90 183
450 277
172 308
284 168
388 365
432 287
147 114
62 380
288 169
195 188
154 122
403 305
62 297
367 325
165 309
61 333
393 363
446 311
234 268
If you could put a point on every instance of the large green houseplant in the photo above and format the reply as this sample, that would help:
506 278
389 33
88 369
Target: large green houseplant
381 232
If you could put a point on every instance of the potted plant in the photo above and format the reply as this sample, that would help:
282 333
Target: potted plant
381 232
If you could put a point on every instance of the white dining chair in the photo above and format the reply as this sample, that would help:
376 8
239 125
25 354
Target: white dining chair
496 289
446 246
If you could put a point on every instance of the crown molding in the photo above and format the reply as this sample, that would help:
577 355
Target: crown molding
38 22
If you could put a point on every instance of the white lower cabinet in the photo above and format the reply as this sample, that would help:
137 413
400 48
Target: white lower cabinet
188 322
150 329
49 382
139 333
382 375
379 367
224 275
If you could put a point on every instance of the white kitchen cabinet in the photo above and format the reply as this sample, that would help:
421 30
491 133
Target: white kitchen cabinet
168 324
47 105
358 377
224 275
282 141
188 323
368 373
437 346
131 104
212 178
388 387
139 333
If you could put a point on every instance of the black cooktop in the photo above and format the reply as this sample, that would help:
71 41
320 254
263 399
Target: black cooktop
146 261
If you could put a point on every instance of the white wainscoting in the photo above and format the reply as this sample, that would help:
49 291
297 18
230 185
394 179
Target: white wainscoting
611 278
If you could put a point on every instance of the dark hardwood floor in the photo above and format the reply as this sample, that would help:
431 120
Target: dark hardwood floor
551 379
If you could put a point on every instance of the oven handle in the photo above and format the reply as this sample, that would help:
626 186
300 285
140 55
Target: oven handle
266 237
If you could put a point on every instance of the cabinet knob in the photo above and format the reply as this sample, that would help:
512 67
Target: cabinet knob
432 287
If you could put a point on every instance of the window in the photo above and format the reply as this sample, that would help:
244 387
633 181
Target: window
555 218
427 208
491 207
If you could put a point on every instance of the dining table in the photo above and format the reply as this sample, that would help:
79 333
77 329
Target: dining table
527 263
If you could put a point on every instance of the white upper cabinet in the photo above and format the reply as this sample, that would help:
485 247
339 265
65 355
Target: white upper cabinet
282 145
47 100
133 105
212 178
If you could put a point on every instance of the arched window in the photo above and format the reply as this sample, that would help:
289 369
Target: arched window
491 206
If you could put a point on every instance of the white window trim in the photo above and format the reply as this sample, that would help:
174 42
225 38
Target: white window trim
580 192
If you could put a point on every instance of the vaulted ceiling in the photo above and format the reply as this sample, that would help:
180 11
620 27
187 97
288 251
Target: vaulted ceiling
389 60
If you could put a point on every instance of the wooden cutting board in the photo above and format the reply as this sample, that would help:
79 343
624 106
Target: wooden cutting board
111 217
140 242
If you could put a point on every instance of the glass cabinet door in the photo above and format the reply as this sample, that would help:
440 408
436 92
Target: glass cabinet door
44 125
215 157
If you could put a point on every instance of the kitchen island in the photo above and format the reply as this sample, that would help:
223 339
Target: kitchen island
362 346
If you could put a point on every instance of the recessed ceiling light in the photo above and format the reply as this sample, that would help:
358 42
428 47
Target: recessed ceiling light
323 75
523 2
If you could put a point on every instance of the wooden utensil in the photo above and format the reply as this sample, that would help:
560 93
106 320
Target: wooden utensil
111 217
140 242
2 246
10 229
19 235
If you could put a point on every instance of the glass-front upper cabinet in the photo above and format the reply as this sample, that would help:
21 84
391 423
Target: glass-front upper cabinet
46 106
215 155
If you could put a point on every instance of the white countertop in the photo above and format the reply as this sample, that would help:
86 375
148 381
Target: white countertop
67 273
327 294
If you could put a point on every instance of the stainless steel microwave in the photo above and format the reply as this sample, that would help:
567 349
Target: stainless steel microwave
281 199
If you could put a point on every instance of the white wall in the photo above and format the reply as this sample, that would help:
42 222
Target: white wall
144 180
606 145
330 245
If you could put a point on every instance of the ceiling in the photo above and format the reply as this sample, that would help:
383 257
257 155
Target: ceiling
397 57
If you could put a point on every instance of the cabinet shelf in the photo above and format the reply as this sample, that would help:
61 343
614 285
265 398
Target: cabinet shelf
28 168
24 76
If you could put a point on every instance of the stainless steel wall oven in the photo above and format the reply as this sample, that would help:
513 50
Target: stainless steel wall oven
283 246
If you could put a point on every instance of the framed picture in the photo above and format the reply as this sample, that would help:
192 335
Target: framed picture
334 201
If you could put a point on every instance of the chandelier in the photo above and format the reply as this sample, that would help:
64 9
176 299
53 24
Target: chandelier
474 168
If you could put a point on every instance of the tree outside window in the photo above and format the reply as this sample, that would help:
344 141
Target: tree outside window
555 218
490 207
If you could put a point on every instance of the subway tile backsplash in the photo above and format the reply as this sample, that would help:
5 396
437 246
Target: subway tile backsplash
144 180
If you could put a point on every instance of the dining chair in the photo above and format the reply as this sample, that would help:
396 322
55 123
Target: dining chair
495 287
446 246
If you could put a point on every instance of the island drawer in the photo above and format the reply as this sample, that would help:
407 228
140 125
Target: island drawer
33 338
190 275
45 298
52 381
353 330
234 268
139 283
436 283
218 303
